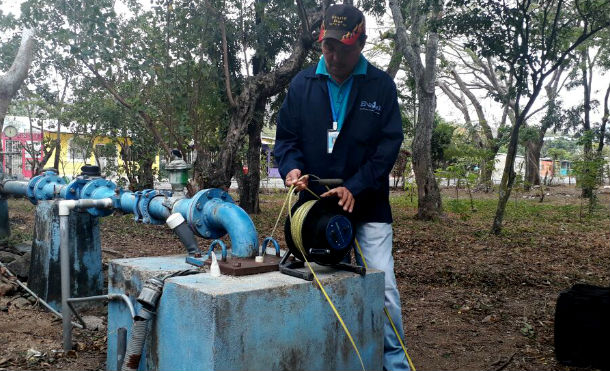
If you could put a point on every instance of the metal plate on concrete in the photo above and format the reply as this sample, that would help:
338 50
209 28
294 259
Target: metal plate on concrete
247 266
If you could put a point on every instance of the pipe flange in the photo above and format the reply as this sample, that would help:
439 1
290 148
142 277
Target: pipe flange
73 190
48 178
136 210
146 196
196 218
29 193
97 189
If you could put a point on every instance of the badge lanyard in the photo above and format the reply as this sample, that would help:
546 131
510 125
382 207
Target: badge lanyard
333 133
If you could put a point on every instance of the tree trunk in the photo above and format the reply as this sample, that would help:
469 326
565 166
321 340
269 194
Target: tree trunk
487 169
11 81
587 190
57 147
250 184
532 163
602 130
258 87
147 179
429 205
508 177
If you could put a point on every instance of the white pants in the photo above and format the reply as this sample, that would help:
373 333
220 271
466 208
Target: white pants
375 240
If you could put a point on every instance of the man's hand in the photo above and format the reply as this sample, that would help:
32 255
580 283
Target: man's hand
346 199
292 178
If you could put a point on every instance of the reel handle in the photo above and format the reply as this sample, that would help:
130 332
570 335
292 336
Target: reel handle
327 182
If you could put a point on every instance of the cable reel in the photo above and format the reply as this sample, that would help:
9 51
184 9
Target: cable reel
323 232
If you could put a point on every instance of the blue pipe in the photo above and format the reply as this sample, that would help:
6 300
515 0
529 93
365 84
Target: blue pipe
148 206
233 219
44 187
157 208
15 187
211 213
5 230
127 201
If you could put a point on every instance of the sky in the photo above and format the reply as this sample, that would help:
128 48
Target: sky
444 106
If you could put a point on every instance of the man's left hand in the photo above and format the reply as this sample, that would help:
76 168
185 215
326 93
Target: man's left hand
346 199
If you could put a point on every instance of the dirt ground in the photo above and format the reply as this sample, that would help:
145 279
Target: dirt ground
471 300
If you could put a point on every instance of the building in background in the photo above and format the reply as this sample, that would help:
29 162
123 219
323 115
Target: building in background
23 144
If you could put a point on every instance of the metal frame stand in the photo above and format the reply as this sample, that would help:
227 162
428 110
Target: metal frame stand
291 267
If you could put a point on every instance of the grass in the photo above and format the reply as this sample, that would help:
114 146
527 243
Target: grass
515 209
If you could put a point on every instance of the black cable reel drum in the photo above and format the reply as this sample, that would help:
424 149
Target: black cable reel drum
326 236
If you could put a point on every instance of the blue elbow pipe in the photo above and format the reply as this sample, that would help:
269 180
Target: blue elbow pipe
212 213
233 219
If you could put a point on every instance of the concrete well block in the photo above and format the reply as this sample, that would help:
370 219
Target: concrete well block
268 321
86 277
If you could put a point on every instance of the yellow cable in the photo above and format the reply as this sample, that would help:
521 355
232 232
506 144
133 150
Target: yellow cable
387 313
296 228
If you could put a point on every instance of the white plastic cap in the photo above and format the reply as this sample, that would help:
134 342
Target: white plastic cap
214 268
259 258
174 220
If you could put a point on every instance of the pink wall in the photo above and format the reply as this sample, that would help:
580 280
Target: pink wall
22 138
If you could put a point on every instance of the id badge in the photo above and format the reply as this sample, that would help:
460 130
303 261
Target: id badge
331 139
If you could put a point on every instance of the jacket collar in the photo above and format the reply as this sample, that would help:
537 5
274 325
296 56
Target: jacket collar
359 69
371 73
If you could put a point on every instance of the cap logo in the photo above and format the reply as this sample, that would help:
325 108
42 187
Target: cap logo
338 21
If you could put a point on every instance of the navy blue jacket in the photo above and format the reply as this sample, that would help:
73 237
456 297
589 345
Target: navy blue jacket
365 149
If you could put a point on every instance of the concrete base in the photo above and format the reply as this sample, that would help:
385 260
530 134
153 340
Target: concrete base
85 255
268 321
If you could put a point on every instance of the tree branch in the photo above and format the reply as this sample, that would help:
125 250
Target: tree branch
14 77
225 61
145 116
403 41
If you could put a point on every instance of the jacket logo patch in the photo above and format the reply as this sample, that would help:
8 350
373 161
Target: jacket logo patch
370 106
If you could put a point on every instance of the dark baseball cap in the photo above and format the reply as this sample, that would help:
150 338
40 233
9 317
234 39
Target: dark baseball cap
343 22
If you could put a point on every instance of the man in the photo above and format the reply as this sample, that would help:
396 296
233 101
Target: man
340 119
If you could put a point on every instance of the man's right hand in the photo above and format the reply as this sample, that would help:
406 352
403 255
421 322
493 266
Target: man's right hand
292 178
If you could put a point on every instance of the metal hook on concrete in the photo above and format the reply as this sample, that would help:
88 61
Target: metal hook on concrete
275 244
222 246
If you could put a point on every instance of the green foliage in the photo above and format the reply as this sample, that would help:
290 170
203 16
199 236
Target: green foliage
530 39
460 207
441 139
164 63
528 134
562 148
588 170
